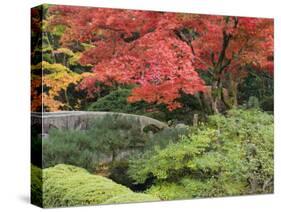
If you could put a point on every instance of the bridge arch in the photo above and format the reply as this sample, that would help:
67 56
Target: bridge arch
81 120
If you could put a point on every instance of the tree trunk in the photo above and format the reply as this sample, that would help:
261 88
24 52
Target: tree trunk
231 99
234 92
215 97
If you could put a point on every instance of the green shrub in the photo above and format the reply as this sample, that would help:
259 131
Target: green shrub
168 191
164 137
253 131
66 185
232 154
119 169
36 185
162 162
113 134
104 142
116 101
185 189
69 147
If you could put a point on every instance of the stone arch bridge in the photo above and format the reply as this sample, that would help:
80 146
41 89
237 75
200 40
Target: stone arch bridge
81 120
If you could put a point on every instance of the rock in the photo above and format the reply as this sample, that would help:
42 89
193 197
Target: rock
181 126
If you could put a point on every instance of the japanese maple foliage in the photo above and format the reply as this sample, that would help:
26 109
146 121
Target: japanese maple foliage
226 47
133 47
161 52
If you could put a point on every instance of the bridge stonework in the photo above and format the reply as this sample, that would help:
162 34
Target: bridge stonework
81 120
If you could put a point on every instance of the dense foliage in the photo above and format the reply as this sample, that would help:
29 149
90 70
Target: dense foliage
116 101
162 55
65 185
230 155
106 139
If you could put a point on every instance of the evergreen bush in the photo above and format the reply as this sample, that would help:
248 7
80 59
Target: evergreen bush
66 185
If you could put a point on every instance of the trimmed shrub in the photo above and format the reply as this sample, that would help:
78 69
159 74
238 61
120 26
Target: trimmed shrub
66 185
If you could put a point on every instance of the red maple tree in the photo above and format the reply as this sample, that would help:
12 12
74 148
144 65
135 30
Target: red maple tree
226 47
161 52
133 47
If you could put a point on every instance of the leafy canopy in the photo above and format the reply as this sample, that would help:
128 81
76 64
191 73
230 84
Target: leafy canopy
161 52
